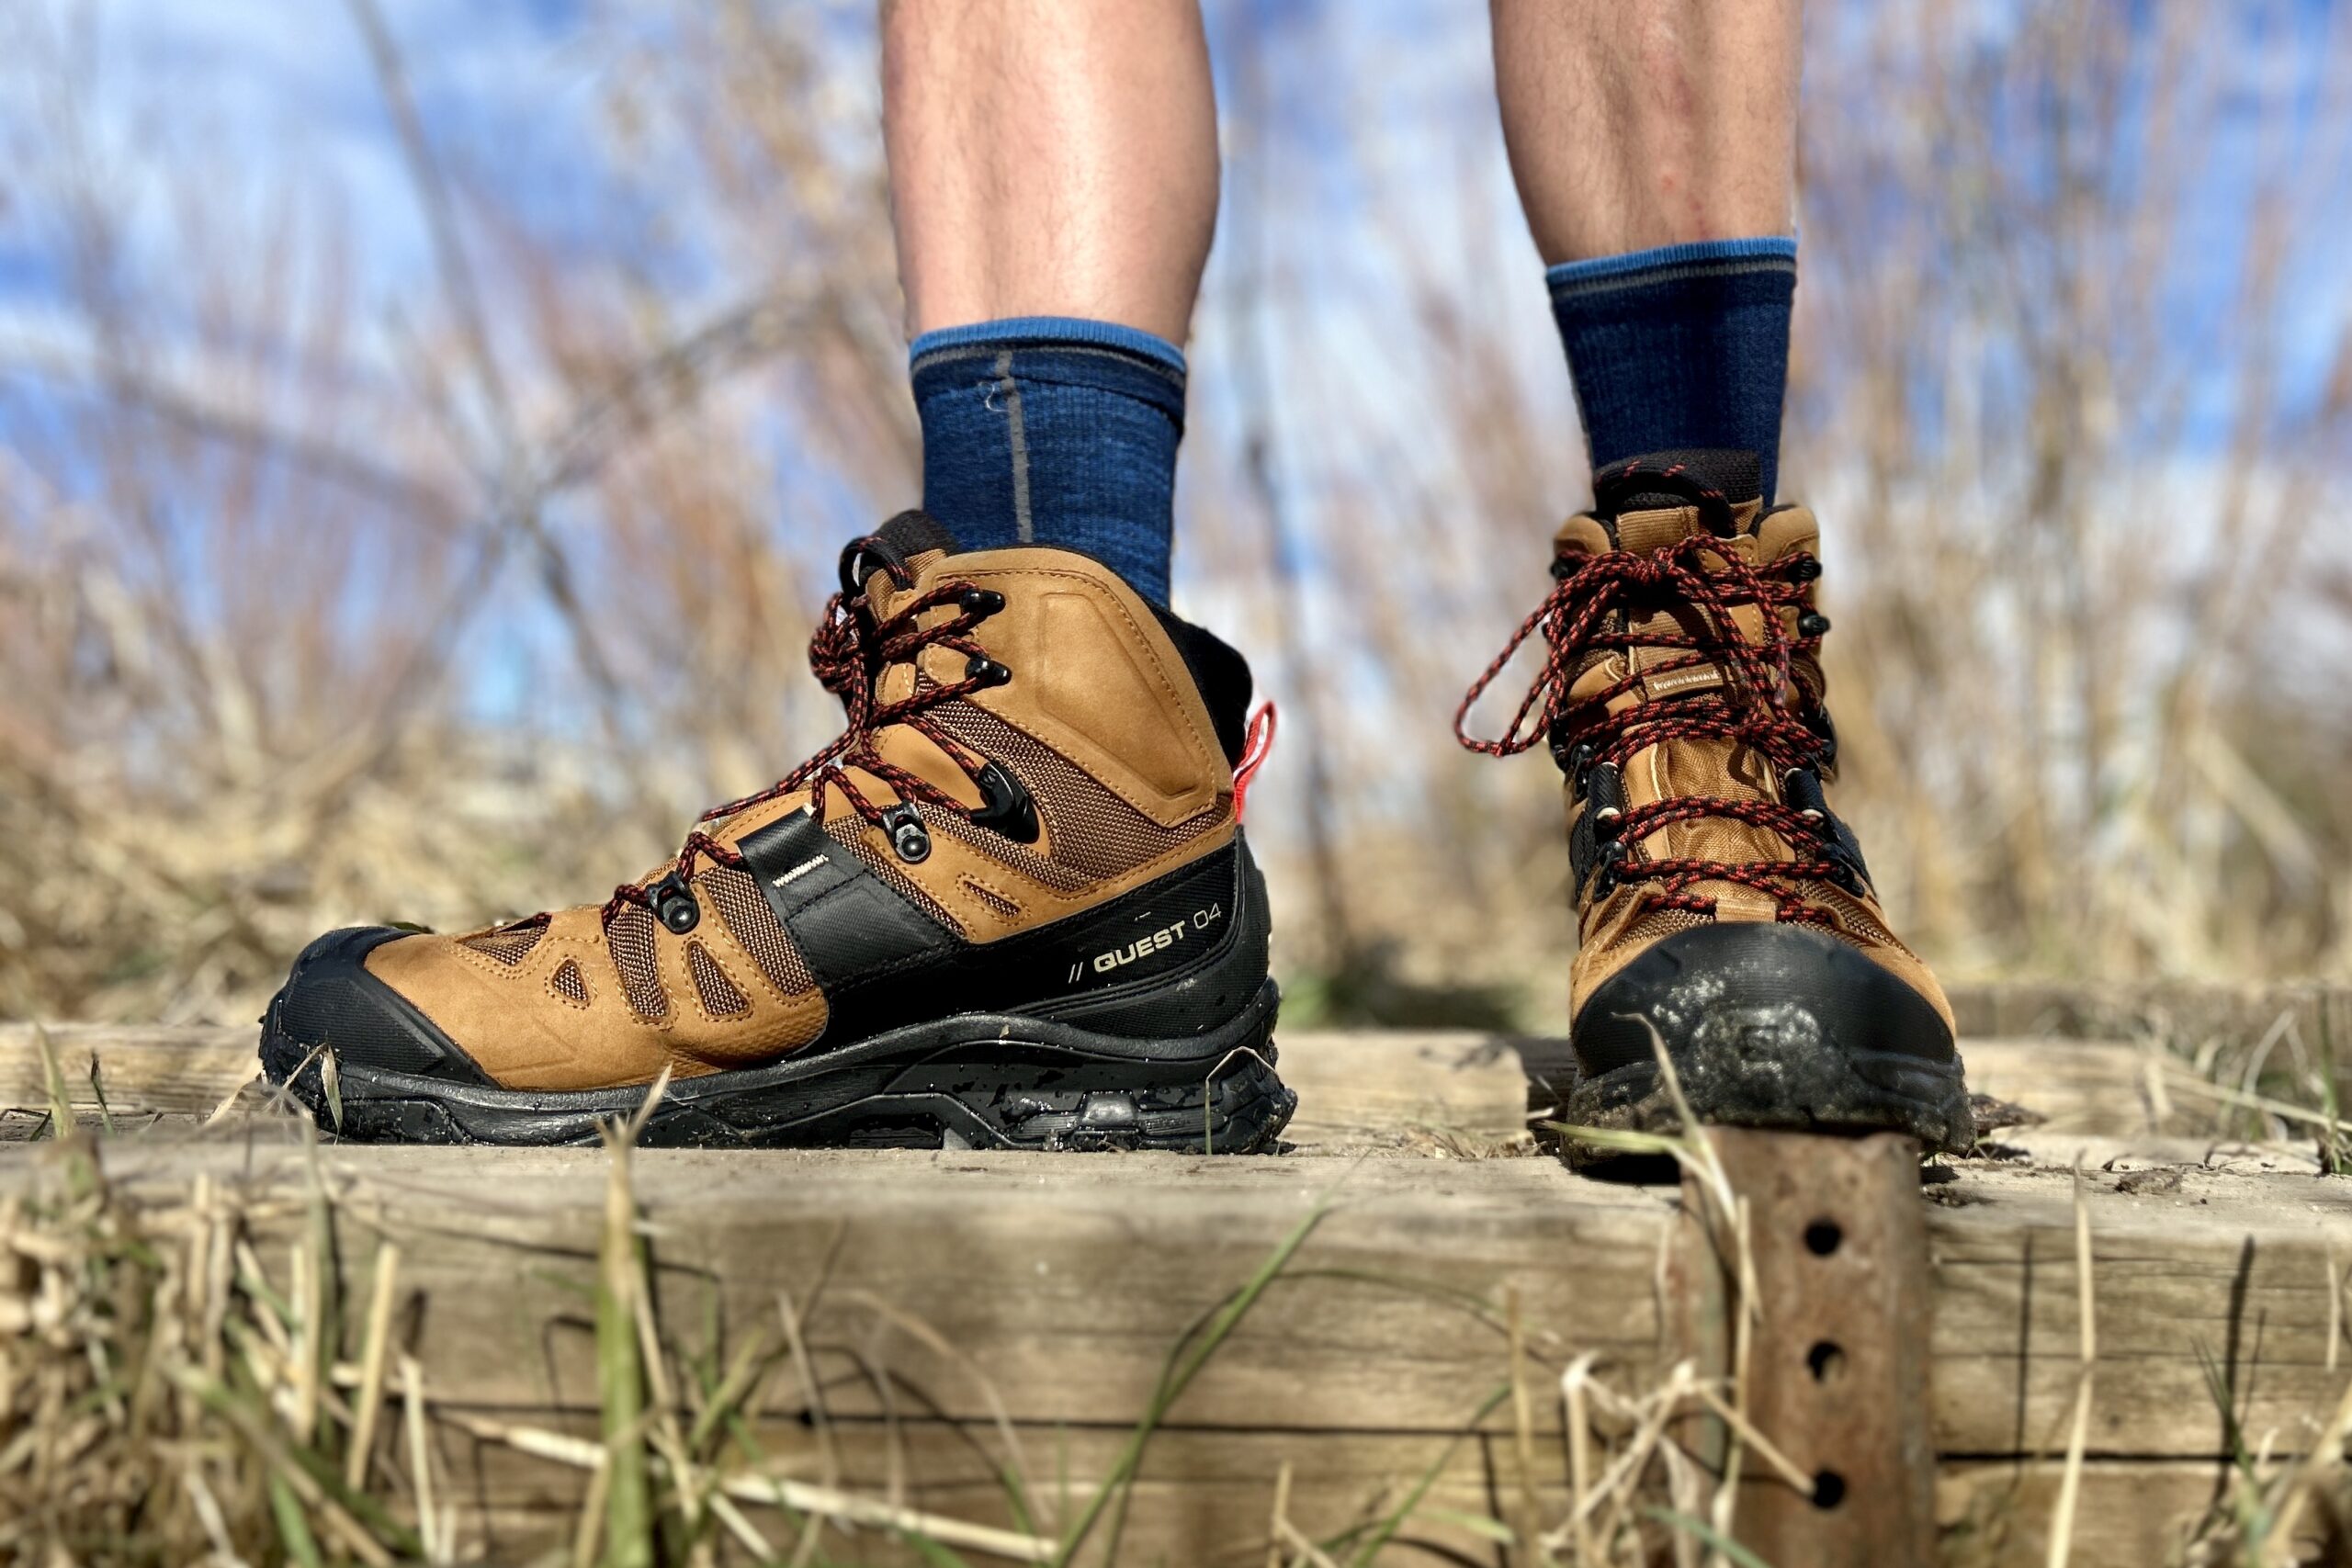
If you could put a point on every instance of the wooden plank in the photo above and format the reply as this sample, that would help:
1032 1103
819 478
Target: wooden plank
2097 1088
1202 1497
1835 1244
1393 1091
2235 1267
2128 1513
1068 1278
1205 1498
176 1070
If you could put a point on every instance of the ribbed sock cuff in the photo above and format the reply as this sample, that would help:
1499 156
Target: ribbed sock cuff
1667 264
1040 331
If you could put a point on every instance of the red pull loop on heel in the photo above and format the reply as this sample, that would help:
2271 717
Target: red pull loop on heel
1256 744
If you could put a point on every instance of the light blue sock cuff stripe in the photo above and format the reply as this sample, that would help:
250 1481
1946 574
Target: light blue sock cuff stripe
1765 247
1051 329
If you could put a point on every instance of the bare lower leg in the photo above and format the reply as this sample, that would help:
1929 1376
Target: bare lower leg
1635 123
1049 158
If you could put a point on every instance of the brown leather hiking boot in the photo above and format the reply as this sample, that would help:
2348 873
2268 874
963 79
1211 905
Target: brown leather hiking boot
1723 911
1010 906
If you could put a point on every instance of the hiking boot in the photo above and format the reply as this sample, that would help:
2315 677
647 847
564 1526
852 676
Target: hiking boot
1723 913
1010 907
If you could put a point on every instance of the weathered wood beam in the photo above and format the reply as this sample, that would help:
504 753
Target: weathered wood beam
1067 1279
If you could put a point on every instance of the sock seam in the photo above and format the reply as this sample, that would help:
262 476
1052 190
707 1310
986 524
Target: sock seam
1024 528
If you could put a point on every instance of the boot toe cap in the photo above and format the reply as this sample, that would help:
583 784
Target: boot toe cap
1757 978
333 999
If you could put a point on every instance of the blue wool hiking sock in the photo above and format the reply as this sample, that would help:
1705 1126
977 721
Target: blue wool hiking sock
1682 346
1054 431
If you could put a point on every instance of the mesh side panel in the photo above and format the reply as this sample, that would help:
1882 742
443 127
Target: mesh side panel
509 945
719 996
992 899
1854 920
1058 877
756 930
1094 832
1658 924
630 936
570 983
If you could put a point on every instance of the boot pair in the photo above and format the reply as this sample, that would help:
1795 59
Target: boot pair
1013 905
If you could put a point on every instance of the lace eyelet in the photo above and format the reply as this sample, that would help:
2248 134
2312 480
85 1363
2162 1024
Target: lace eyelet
980 601
1611 854
1804 568
675 904
1574 761
909 840
1813 623
987 670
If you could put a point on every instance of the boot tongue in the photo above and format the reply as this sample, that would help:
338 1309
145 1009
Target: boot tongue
892 556
1645 503
1659 498
903 546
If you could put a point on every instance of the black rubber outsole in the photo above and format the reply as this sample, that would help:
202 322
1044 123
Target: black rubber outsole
1756 1083
975 1080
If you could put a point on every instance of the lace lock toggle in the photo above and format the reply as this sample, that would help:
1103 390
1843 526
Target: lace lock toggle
1005 805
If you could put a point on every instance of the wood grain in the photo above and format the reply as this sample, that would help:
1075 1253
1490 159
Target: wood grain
1060 1284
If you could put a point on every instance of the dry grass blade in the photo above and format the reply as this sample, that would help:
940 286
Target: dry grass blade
62 1120
2305 1482
420 1459
1528 1528
798 1496
1765 1449
1574 1385
2070 1485
620 1368
1278 1522
372 1357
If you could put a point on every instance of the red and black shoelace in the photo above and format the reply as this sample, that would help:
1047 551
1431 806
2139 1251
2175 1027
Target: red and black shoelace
848 653
1761 702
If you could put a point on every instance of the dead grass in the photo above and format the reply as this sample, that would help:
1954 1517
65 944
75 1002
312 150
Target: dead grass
181 1388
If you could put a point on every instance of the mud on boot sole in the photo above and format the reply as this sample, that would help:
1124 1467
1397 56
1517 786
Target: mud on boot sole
1768 1025
1752 1074
977 1080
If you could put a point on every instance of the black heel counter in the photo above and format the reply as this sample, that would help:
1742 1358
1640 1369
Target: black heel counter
1224 898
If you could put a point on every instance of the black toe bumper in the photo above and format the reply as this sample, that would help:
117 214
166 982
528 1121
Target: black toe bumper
331 999
1772 1025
